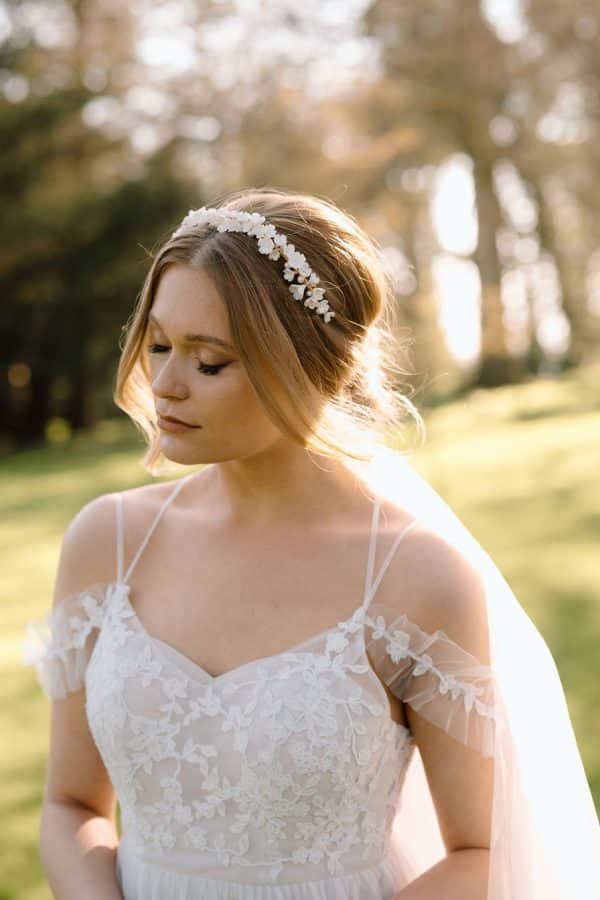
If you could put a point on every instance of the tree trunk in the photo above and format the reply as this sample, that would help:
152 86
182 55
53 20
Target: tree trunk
33 427
496 366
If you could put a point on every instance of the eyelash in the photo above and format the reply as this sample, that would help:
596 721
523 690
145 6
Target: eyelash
205 368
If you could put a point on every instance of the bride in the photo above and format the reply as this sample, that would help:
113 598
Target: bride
266 733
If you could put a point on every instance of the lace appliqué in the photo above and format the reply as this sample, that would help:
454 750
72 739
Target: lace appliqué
58 645
293 760
423 679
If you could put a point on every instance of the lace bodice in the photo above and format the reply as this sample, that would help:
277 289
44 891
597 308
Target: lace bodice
286 768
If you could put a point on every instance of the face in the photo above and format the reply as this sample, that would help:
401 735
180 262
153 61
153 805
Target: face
201 382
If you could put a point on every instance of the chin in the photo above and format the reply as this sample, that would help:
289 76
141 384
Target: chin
187 455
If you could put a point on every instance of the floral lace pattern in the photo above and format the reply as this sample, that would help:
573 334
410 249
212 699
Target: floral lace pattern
290 761
286 769
436 677
293 760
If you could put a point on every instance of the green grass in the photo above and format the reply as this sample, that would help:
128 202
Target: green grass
517 464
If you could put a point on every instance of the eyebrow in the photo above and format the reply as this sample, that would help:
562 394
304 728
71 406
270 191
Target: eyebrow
197 338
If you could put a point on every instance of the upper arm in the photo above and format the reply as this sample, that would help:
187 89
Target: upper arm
75 771
461 779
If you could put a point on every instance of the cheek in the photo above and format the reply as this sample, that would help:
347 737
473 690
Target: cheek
228 397
234 420
238 400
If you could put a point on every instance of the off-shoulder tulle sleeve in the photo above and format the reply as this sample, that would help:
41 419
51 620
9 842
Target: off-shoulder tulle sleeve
440 680
544 835
60 643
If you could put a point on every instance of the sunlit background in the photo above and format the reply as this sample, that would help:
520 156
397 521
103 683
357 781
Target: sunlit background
464 137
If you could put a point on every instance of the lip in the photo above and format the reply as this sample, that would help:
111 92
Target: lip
171 424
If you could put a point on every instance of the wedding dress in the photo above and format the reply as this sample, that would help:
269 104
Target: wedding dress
286 778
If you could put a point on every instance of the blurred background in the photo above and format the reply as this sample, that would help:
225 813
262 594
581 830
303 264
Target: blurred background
463 136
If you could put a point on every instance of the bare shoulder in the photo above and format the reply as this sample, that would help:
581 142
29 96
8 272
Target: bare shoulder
141 504
440 588
146 497
88 552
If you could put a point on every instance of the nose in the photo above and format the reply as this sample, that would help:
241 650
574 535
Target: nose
165 382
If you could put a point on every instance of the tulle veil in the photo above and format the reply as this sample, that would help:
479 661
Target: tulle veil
545 833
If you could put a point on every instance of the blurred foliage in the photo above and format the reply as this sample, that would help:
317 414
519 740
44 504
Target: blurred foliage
71 261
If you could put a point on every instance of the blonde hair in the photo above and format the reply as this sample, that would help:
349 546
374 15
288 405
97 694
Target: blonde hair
330 387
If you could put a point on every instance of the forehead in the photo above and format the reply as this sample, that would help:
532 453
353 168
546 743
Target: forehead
186 300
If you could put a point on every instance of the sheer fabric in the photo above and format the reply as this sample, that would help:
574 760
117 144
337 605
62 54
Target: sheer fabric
545 842
287 777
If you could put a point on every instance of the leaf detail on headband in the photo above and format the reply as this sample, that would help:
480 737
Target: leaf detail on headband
271 243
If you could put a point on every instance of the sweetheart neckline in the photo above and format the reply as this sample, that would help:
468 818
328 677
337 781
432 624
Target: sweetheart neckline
215 679
261 659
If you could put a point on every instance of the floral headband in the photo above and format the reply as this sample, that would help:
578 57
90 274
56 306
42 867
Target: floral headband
270 242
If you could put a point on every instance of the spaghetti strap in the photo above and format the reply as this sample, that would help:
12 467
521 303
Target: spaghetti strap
372 543
119 537
124 579
370 585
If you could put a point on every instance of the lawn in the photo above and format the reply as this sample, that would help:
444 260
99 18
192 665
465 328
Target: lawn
519 465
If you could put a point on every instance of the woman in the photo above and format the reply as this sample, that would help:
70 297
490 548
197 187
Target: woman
309 681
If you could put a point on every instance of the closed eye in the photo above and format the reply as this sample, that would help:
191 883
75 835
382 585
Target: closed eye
205 368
